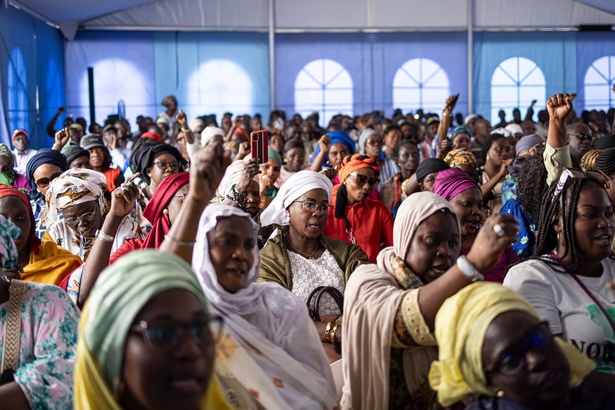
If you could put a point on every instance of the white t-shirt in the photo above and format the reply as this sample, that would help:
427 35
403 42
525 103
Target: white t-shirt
560 300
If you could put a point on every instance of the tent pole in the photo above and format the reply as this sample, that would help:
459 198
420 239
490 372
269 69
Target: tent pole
272 54
470 56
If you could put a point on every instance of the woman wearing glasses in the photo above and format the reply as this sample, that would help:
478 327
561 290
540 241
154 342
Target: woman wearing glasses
100 159
155 162
147 340
300 257
492 343
45 166
356 218
566 278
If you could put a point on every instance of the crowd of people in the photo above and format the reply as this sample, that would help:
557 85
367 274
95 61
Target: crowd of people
421 261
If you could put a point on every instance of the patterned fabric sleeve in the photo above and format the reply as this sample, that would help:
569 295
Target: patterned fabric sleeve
48 345
410 328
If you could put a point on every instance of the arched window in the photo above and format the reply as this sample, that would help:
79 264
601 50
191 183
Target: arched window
323 86
420 83
17 95
115 79
218 86
515 83
599 80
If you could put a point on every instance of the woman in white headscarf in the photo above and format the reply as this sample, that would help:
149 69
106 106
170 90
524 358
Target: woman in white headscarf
299 257
79 195
389 309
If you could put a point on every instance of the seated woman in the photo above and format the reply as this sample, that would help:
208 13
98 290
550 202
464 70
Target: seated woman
294 159
371 143
491 342
45 166
100 160
389 309
357 219
277 353
496 153
37 360
392 191
300 257
133 352
155 162
42 261
79 195
425 176
7 167
464 194
567 287
270 173
330 156
462 158
76 157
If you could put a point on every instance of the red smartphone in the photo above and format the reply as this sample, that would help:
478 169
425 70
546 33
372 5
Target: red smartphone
259 147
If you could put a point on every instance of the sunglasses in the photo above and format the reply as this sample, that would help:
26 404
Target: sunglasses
44 182
362 179
583 137
374 142
169 337
164 164
510 362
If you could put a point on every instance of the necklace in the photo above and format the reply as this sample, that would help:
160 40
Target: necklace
466 241
305 255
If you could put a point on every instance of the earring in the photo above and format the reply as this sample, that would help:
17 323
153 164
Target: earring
500 393
287 213
165 211
487 159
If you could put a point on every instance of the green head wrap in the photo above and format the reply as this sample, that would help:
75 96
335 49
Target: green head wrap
120 293
271 153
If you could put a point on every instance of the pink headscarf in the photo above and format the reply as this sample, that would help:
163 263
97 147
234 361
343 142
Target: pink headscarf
451 182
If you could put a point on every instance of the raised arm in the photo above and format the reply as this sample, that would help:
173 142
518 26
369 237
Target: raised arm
529 115
188 134
557 154
447 118
325 144
61 138
51 130
206 171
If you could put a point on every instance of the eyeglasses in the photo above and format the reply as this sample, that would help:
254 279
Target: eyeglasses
583 137
75 220
362 179
44 182
311 206
169 337
510 362
374 142
164 164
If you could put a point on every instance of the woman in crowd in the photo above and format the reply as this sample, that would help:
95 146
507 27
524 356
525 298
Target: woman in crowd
40 374
566 279
464 194
155 162
45 166
492 174
267 179
77 157
300 257
294 159
525 148
389 309
425 176
133 352
274 352
7 165
79 195
42 261
358 219
330 156
461 138
100 159
491 342
371 143
392 191
392 137
462 158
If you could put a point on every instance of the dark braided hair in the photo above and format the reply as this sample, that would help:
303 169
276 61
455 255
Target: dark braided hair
533 183
564 205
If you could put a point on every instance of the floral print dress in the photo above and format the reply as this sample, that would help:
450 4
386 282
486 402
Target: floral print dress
49 322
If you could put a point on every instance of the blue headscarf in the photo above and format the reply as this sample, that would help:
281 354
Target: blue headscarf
338 136
43 156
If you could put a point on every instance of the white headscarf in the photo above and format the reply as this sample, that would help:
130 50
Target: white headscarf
294 187
278 351
74 187
209 133
232 176
365 134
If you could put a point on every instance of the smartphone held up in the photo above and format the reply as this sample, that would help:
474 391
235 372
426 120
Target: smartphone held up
259 145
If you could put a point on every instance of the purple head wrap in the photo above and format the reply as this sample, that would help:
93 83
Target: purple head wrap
451 182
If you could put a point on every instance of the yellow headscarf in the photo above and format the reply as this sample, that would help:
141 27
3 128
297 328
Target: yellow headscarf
460 156
461 324
120 293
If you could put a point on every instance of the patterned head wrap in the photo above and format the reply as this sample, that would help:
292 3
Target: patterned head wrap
357 161
74 187
8 251
451 182
122 290
460 156
461 325
6 152
33 240
460 130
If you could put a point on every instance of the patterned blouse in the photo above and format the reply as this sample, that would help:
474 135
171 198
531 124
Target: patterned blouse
49 323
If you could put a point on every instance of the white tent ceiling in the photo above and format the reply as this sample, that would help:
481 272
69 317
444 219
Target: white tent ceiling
319 15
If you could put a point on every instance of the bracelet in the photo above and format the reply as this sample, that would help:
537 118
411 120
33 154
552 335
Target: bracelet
186 130
328 329
105 237
180 243
332 334
469 270
236 196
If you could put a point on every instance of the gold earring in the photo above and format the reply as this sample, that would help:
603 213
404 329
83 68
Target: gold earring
165 211
500 393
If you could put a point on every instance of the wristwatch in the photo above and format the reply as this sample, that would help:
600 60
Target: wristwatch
469 270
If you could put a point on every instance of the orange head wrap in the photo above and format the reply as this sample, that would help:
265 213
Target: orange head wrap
357 161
